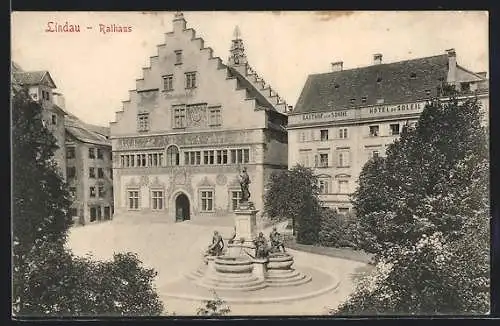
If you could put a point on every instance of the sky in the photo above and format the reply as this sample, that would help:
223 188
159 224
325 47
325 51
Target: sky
95 71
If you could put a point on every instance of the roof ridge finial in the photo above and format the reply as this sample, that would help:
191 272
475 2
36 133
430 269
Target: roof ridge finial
178 15
236 33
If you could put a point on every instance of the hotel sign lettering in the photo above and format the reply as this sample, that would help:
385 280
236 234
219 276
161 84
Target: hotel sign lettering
361 113
326 115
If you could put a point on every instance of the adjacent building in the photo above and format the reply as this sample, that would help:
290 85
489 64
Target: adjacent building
89 172
190 126
41 86
345 117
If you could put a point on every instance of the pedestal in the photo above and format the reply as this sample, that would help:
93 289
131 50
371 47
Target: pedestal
259 268
245 222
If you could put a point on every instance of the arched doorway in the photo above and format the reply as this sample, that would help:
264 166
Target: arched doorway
182 212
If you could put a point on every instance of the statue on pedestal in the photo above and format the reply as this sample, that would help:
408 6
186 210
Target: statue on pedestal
277 243
215 249
244 182
261 248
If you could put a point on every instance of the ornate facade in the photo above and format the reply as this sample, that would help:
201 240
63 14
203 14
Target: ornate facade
345 117
189 127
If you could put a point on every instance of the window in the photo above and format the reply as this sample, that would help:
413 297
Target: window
157 199
465 87
427 92
92 192
380 101
111 173
304 158
207 197
178 57
99 154
190 80
394 129
91 172
72 191
91 153
143 121
374 130
71 172
240 156
375 154
343 159
100 173
343 210
102 192
352 101
107 212
111 156
93 214
133 199
54 119
379 79
413 75
324 134
235 199
215 118
363 100
180 117
173 156
323 186
343 186
70 152
302 137
168 82
73 211
343 133
323 160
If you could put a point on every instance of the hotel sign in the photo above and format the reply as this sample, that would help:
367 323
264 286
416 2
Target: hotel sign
369 112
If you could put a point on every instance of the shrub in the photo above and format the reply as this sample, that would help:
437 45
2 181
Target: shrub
336 230
215 307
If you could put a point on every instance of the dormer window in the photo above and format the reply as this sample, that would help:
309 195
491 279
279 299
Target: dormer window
427 92
413 75
178 57
352 101
363 100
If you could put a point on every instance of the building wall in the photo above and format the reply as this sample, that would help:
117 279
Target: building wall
243 126
82 182
305 137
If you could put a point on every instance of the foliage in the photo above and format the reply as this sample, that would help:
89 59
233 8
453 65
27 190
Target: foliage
424 211
337 230
47 279
56 283
215 307
294 194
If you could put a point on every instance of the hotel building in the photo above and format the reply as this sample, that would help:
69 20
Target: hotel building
345 117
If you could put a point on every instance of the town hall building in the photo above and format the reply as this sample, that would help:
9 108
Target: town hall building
347 116
188 129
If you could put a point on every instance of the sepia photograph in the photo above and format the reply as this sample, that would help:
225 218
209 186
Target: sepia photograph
265 163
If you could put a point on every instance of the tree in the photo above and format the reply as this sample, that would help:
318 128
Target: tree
47 278
428 222
294 194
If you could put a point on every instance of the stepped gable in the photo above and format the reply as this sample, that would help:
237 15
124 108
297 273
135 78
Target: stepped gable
242 83
398 82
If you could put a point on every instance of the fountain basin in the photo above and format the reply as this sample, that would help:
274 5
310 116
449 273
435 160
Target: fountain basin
280 260
225 264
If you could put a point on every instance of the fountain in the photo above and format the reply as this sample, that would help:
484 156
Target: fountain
247 264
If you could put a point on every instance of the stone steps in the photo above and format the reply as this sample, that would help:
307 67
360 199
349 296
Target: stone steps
248 282
281 278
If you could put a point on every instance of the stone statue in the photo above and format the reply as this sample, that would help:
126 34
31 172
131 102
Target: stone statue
277 243
215 249
261 248
233 236
244 182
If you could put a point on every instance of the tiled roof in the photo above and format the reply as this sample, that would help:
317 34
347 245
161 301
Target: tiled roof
398 82
29 77
84 132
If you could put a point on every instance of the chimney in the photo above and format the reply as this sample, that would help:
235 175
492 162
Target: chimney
337 66
452 66
179 22
482 74
377 58
58 99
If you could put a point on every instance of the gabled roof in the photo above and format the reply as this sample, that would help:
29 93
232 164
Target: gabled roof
86 132
398 82
29 78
